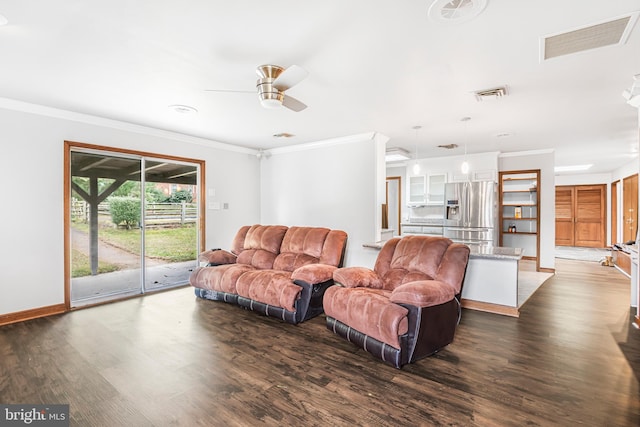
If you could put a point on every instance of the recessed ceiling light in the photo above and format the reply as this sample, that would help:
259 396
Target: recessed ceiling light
3 20
183 109
573 168
283 135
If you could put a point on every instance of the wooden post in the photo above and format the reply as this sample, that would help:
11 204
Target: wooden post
93 224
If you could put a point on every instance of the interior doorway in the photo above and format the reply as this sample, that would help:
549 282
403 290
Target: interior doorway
581 215
133 222
394 203
629 208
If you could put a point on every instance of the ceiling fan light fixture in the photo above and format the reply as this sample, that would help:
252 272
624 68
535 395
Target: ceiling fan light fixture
271 103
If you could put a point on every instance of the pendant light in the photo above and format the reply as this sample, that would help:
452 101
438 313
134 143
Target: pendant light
416 165
464 168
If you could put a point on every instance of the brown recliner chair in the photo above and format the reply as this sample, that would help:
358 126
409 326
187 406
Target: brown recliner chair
408 306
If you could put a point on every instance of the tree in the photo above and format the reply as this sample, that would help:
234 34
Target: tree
125 210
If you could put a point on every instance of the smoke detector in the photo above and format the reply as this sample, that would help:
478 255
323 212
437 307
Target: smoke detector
455 11
493 93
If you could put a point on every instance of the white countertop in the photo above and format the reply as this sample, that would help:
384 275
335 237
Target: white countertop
492 252
496 252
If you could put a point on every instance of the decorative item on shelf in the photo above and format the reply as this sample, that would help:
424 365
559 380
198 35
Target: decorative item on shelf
512 228
518 212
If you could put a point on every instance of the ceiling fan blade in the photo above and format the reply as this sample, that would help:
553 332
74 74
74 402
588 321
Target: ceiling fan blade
230 91
293 104
290 77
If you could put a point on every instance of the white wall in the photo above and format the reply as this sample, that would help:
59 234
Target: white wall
31 218
334 184
545 161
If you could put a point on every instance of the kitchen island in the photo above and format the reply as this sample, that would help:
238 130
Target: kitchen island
491 282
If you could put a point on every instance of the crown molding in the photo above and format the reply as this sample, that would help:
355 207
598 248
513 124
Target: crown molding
42 110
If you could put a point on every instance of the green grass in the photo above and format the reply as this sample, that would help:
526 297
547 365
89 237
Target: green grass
168 244
80 265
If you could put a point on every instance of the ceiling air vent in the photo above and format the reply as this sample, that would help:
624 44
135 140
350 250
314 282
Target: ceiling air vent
611 32
448 146
493 93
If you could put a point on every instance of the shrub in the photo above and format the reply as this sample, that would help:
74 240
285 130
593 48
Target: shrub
180 196
125 210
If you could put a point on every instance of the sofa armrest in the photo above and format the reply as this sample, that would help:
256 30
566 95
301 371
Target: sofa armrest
357 277
423 293
216 257
313 273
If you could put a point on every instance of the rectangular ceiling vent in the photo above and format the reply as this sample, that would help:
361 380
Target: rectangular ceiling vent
493 93
611 32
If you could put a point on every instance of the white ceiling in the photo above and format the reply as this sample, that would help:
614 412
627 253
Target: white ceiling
373 65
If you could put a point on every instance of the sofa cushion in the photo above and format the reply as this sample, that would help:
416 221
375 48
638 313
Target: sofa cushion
258 258
368 311
262 245
222 278
265 237
353 277
271 287
424 293
216 257
300 246
415 258
237 245
334 247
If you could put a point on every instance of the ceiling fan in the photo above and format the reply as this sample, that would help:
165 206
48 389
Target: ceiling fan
272 84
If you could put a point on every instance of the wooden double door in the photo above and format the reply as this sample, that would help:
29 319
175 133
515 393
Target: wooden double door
581 215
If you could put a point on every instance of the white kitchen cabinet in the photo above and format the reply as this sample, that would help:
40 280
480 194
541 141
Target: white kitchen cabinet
426 189
435 188
417 190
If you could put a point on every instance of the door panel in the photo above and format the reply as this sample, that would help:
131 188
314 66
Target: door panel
589 216
104 233
614 212
630 208
581 216
170 223
564 216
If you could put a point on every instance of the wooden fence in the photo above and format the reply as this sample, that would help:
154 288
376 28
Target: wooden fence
158 214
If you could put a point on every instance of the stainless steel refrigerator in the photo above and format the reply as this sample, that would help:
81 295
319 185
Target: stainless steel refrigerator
471 210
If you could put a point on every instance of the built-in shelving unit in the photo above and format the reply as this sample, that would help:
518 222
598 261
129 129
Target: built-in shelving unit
520 211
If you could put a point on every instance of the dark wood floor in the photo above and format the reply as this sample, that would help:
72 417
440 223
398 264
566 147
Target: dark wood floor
171 359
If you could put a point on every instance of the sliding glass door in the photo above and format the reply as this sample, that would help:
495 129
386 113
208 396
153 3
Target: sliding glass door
132 224
170 223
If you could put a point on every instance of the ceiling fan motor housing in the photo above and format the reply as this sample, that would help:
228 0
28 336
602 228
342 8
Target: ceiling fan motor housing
269 96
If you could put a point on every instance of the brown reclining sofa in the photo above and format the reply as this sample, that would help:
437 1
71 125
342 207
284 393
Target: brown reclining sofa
408 306
275 270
